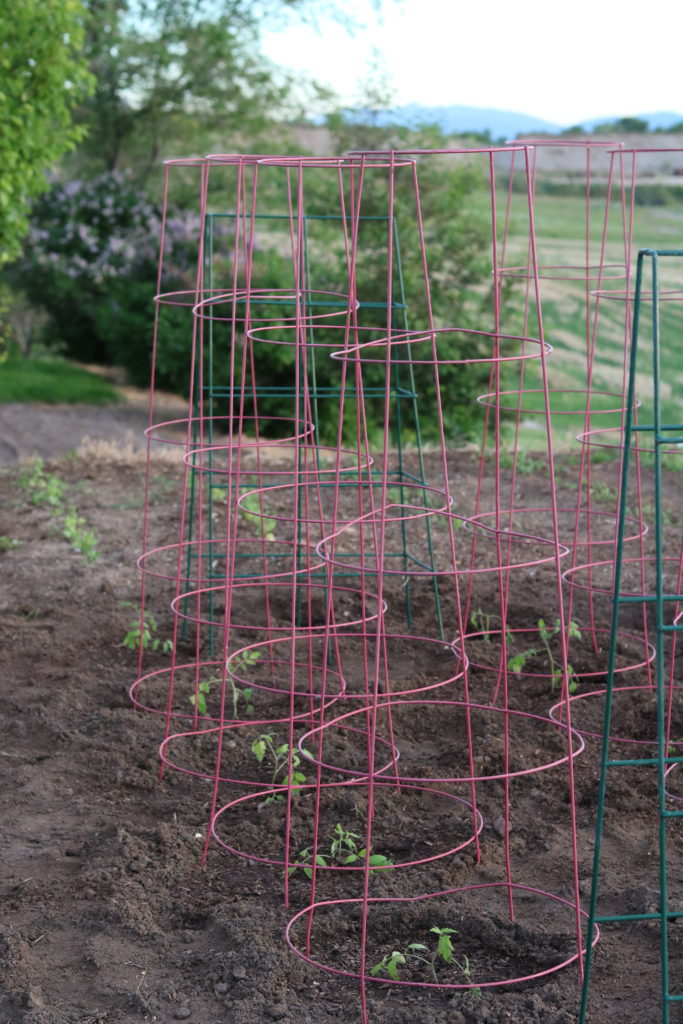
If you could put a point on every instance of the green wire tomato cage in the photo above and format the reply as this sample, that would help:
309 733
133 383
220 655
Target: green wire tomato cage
661 439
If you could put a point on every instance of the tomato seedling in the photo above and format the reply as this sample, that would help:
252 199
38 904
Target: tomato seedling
419 952
546 634
343 850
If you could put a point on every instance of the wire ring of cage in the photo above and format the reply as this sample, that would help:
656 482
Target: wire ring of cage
304 789
327 548
271 584
579 411
306 429
312 908
338 520
300 298
223 732
212 550
502 515
628 295
336 639
617 692
467 707
302 336
287 446
569 575
567 272
169 681
519 631
588 437
359 353
351 161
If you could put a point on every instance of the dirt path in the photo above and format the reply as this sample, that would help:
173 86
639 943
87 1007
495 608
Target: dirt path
51 431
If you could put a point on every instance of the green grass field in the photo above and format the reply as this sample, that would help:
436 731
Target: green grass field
576 321
54 381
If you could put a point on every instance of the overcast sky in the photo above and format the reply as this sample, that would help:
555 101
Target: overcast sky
562 62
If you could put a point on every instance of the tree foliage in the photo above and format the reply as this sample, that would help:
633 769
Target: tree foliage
176 69
43 76
622 126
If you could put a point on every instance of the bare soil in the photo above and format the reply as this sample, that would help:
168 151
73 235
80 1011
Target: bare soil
107 914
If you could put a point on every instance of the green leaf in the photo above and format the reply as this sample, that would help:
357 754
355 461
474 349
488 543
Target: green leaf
258 749
517 663
395 961
379 860
445 948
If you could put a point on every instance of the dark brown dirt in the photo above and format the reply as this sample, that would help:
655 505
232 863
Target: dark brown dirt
107 915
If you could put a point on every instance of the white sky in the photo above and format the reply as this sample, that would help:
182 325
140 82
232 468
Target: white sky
565 62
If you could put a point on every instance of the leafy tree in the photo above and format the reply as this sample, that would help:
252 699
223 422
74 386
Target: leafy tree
622 126
170 69
574 129
43 76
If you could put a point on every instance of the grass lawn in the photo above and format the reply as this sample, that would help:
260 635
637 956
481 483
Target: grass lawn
54 381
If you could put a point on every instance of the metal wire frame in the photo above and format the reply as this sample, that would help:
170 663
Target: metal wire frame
314 307
660 435
501 567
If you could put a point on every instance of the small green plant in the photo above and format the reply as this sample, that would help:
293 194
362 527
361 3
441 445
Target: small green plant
244 694
42 488
343 850
239 694
250 507
279 754
483 621
141 635
546 634
9 543
47 489
204 688
523 462
419 952
602 492
79 537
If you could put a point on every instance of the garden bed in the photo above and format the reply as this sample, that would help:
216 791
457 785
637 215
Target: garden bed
108 914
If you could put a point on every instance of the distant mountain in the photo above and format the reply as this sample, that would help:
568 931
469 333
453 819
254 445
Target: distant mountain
502 124
455 119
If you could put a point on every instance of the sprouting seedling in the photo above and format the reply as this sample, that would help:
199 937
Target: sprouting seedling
79 536
280 756
483 621
419 952
238 662
240 695
204 688
343 850
251 509
141 635
546 634
42 488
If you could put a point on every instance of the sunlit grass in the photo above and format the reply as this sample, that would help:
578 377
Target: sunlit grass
54 381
